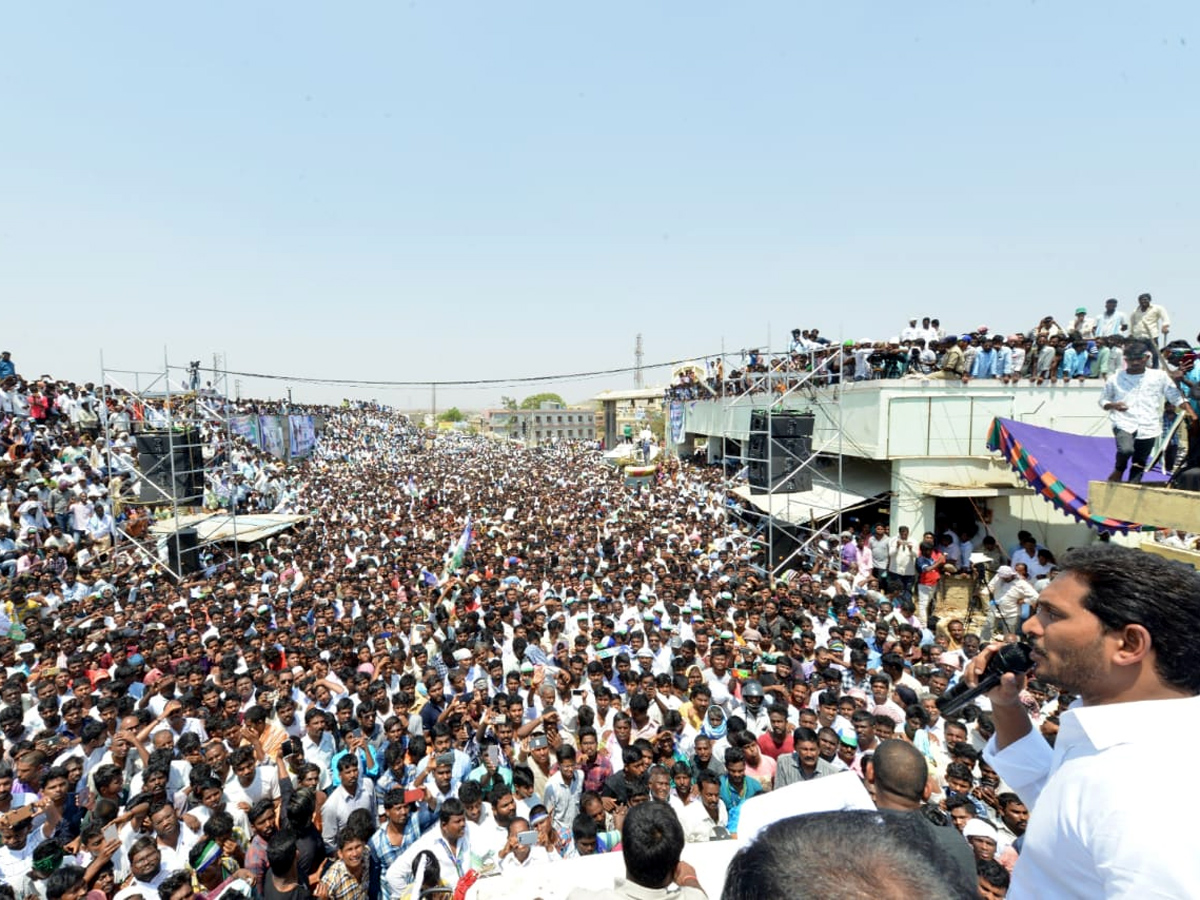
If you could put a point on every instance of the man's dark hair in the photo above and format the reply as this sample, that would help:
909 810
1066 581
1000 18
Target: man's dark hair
1127 587
823 856
993 873
393 797
962 801
260 808
470 792
63 879
301 807
804 735
959 770
637 787
652 840
522 777
91 731
363 823
583 828
451 807
172 883
219 826
1007 799
281 852
742 740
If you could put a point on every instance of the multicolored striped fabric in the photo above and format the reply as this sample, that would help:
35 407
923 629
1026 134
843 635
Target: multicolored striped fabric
1060 465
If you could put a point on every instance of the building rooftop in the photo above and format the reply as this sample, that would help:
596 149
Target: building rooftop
649 393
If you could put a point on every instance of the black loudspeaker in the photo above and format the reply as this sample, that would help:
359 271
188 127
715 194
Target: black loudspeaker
172 461
792 426
784 478
783 424
790 447
183 554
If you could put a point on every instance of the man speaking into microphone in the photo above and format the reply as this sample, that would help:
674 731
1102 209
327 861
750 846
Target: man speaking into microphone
1121 629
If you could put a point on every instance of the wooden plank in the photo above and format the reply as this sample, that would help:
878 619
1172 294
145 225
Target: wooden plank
1145 505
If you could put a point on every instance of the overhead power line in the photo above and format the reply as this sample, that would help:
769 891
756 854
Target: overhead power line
460 383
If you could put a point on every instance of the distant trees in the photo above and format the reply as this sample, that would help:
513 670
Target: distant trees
534 401
451 415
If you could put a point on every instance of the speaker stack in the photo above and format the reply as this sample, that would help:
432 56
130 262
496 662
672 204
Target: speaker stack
183 551
174 462
779 444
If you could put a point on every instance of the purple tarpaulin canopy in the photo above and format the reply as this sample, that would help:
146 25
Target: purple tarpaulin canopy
1060 465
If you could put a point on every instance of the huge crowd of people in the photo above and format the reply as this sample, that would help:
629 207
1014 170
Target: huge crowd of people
472 658
1085 347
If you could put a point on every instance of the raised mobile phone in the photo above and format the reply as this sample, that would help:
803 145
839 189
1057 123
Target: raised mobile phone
527 838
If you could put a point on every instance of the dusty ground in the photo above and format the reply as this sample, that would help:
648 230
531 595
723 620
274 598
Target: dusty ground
953 604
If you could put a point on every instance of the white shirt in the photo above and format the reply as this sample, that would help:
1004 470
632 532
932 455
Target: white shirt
1011 594
537 856
177 857
1097 826
901 558
265 785
561 800
452 860
1108 326
698 825
487 839
1149 322
15 864
338 807
320 756
1144 395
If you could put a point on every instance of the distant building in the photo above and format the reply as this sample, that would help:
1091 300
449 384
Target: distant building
623 414
550 423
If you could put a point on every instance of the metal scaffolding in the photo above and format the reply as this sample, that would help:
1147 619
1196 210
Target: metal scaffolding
166 411
776 386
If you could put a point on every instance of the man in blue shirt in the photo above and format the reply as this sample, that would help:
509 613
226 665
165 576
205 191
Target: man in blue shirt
736 788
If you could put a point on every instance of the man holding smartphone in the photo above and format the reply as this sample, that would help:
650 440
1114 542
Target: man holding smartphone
522 849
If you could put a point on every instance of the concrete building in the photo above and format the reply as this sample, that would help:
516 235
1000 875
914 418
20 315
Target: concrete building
624 413
915 448
1167 509
548 424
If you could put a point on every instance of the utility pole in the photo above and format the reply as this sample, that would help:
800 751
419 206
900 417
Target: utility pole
433 402
637 363
237 389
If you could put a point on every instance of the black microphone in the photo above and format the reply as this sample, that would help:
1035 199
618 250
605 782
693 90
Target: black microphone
1013 658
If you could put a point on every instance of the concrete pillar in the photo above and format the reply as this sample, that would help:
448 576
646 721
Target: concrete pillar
909 505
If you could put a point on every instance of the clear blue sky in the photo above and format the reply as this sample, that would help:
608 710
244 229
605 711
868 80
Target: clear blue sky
423 190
